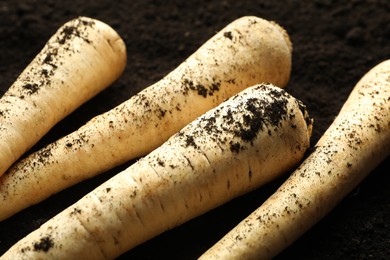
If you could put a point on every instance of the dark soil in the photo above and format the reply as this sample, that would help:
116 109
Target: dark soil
335 43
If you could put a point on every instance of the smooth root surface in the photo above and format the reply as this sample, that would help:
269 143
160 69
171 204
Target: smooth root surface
82 58
243 143
356 142
248 51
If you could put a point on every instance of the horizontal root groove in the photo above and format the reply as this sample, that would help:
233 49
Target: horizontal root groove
161 205
161 178
91 235
133 206
188 161
207 158
137 215
249 171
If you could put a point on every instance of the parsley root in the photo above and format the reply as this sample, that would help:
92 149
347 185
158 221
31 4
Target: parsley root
243 143
248 51
355 143
82 58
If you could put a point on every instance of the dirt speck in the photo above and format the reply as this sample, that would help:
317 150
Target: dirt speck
44 244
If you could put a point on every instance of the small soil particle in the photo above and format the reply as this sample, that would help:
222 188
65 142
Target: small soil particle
44 244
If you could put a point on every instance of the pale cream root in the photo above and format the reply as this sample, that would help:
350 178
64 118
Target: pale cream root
248 51
243 143
82 58
356 142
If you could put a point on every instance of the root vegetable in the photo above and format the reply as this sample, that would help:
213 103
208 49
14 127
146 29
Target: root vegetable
246 141
356 142
82 58
248 51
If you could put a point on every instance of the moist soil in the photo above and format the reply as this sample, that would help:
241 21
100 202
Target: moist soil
335 44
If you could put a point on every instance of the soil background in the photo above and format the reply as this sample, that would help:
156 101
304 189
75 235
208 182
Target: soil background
335 44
